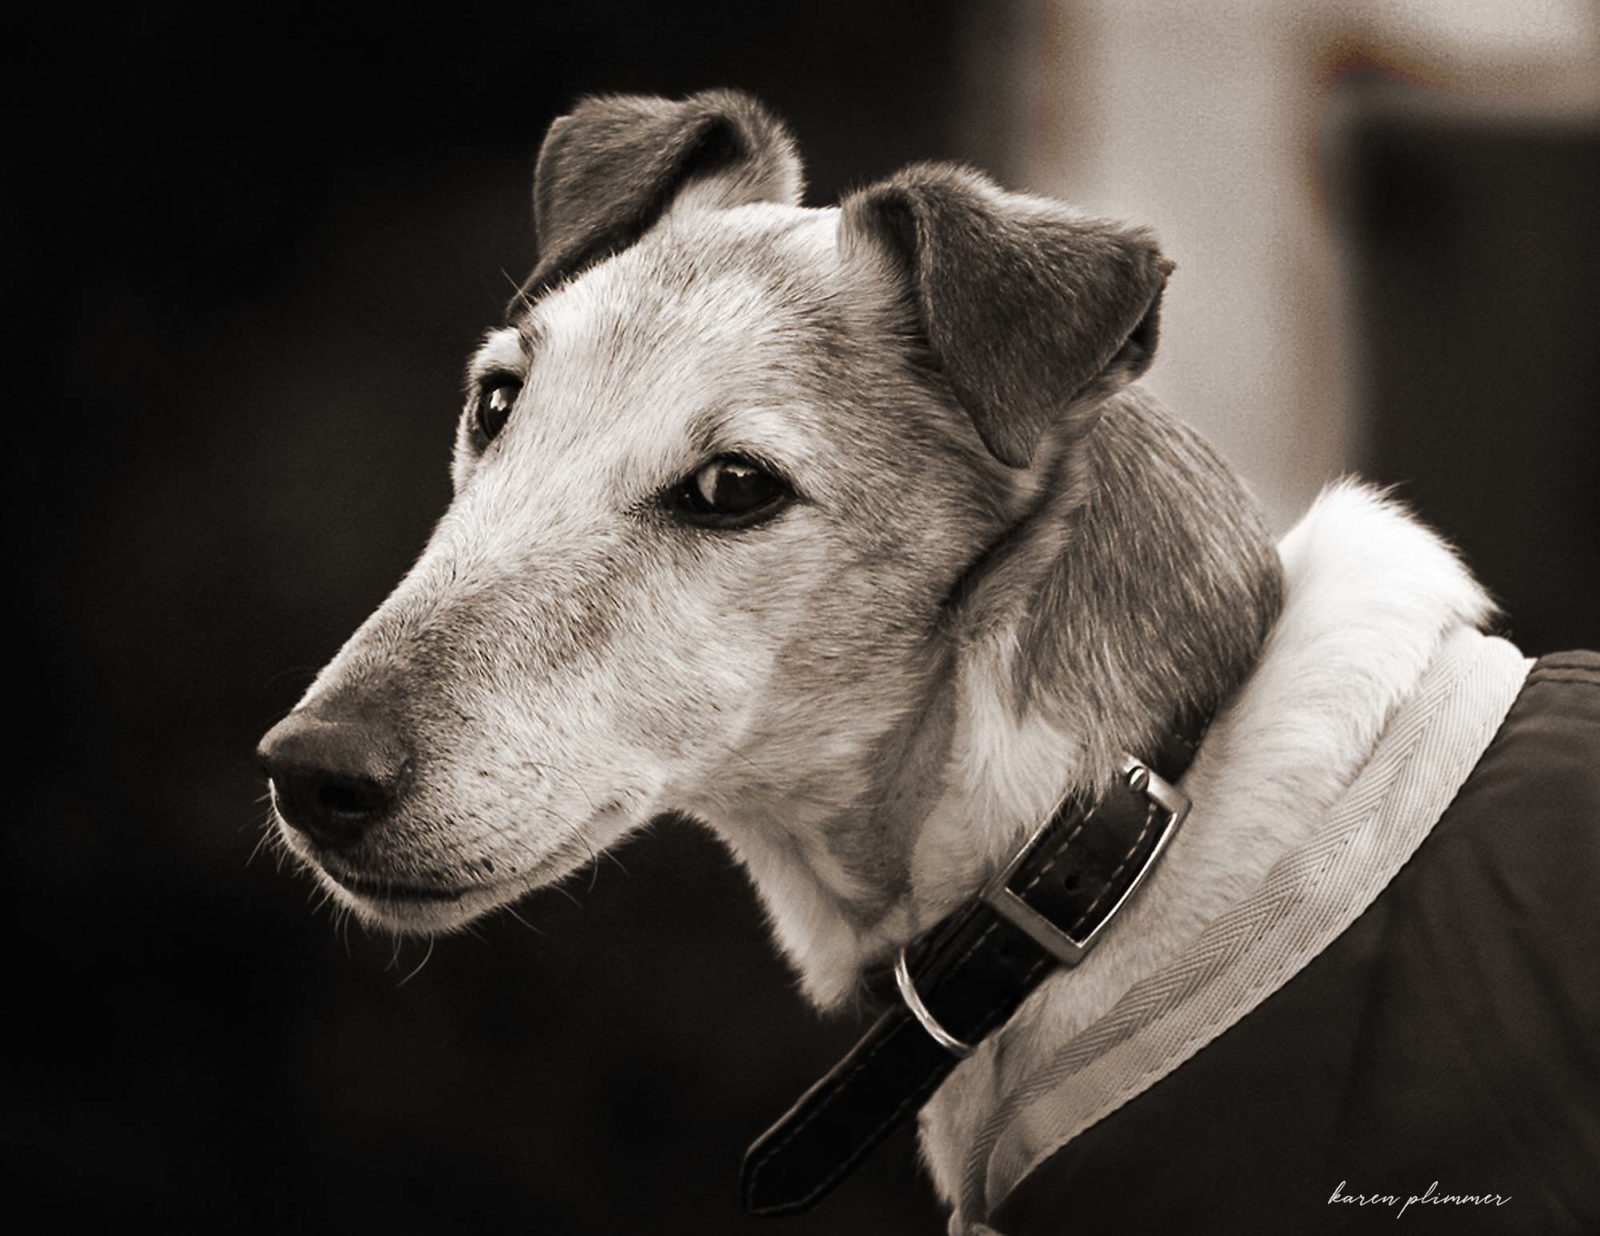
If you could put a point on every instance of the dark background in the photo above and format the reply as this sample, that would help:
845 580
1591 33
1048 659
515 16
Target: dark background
246 251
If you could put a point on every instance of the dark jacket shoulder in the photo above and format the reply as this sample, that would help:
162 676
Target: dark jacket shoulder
1450 1037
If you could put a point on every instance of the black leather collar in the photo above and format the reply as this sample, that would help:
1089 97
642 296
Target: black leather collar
962 980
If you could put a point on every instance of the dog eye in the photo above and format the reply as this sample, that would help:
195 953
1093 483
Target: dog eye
496 397
729 492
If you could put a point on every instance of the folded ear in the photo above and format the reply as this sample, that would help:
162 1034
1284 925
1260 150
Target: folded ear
1033 314
612 167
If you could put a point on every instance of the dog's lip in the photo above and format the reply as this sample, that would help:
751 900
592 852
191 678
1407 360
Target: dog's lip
378 888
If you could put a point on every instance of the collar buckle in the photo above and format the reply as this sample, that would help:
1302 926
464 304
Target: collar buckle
1068 948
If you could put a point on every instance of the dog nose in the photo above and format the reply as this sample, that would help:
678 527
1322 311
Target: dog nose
332 779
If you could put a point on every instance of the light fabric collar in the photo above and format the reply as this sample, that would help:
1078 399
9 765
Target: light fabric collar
1370 594
1429 745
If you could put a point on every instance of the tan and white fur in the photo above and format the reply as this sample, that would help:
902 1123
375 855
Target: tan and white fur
1003 566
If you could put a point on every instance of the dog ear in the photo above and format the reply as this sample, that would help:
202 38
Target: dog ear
612 167
1033 314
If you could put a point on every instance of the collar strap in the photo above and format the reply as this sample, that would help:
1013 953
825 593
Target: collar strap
963 979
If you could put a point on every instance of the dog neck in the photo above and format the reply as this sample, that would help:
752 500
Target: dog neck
1130 584
1370 595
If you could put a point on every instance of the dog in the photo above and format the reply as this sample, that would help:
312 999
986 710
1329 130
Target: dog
849 532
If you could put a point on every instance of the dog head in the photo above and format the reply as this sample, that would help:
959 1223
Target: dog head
759 512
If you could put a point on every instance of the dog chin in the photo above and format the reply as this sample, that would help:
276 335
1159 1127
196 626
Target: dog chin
431 904
406 911
410 906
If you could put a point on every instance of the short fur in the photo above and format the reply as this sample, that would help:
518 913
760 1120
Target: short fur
1004 565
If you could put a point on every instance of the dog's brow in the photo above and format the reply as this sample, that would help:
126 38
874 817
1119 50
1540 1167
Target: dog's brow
718 428
500 349
531 332
764 434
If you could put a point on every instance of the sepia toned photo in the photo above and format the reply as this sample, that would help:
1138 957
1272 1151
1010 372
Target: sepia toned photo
806 618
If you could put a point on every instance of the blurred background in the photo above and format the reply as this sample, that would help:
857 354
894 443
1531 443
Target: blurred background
246 250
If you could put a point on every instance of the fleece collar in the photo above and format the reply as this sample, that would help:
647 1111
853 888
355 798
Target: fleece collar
1373 700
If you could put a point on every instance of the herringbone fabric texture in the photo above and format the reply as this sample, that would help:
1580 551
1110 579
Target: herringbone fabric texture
1427 749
